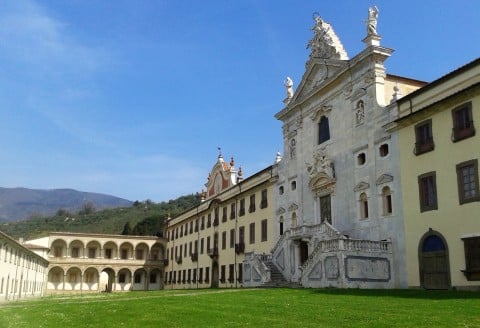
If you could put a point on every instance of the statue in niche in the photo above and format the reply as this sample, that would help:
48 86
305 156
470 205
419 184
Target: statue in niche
288 83
372 20
360 112
293 148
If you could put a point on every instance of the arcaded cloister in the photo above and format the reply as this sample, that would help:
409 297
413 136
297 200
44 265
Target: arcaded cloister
82 262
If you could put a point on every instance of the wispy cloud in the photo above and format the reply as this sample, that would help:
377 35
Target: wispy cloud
32 36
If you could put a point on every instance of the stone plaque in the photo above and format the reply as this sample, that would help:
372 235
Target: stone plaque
316 273
363 268
331 267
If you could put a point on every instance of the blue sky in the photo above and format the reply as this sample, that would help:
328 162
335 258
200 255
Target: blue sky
132 98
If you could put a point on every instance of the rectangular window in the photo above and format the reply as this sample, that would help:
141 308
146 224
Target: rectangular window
463 122
264 230
191 227
241 234
240 272
252 233
427 191
232 211
224 240
224 214
231 273
189 275
190 248
242 207
209 220
325 209
222 274
467 177
216 219
194 277
208 243
232 238
185 250
264 201
200 274
202 224
251 208
196 225
207 274
201 246
423 137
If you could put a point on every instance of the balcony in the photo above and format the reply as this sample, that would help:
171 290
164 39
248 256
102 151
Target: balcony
213 252
464 132
239 248
194 257
425 146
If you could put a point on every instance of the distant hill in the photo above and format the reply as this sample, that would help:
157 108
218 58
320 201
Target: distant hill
22 203
141 218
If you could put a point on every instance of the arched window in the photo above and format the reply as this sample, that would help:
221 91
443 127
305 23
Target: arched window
294 220
387 201
363 206
323 130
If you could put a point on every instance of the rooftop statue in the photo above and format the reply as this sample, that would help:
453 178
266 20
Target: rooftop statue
372 20
288 83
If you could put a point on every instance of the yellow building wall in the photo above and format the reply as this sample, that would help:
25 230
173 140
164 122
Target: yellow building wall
451 219
227 255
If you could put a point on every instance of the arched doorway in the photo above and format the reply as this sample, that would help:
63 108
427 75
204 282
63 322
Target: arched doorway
433 261
215 275
107 280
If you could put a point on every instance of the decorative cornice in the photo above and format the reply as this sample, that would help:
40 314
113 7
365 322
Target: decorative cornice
384 178
362 185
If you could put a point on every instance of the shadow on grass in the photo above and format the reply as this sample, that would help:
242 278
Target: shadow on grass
401 293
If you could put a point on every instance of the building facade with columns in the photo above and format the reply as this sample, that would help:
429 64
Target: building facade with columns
220 242
338 197
82 262
22 271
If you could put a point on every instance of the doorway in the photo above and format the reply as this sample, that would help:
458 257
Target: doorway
433 262
215 275
303 252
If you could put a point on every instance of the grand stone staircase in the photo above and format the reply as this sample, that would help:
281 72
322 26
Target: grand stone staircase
277 279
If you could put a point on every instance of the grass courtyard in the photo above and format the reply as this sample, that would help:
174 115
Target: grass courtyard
250 307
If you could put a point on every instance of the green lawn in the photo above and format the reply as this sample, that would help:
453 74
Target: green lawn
250 307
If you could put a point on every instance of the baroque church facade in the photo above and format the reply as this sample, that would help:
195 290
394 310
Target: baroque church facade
338 195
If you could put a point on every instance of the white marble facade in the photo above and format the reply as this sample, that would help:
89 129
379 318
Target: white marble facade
337 199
